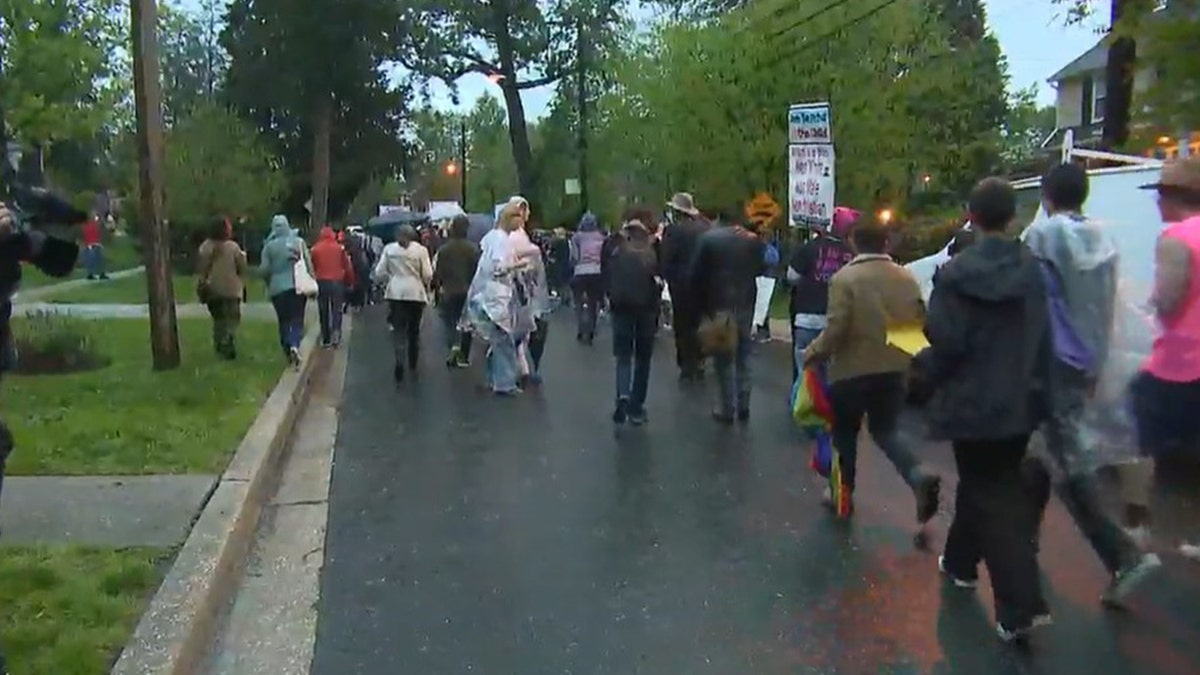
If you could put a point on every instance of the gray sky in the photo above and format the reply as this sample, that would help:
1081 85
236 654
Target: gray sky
1031 33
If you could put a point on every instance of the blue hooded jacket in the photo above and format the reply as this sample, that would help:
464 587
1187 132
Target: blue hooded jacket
281 250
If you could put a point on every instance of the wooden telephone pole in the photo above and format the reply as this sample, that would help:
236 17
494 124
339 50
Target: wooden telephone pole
147 98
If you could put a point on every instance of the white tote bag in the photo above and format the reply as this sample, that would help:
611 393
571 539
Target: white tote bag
305 284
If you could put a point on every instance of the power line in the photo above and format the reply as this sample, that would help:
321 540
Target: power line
807 19
833 33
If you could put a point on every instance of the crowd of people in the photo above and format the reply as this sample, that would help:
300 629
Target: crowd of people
1018 331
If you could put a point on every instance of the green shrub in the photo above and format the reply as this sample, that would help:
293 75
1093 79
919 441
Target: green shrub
49 343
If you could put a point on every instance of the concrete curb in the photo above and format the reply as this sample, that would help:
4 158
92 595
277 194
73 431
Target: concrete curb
173 635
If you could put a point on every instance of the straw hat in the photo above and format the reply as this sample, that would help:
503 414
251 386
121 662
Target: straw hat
683 202
1179 174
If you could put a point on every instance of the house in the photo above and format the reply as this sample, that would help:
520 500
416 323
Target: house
1080 103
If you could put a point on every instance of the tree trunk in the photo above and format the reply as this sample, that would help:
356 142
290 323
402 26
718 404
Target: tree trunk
518 134
147 94
323 129
1118 76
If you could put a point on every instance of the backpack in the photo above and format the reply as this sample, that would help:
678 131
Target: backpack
631 278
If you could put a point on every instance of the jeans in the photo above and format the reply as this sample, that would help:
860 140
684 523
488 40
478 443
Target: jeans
880 397
331 296
226 314
289 313
995 519
733 370
500 365
685 321
450 309
405 319
93 260
801 339
633 346
589 293
1080 492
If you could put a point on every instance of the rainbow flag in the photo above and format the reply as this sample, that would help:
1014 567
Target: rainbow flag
813 413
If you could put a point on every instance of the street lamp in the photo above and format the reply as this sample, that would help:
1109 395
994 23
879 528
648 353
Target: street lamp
451 168
885 216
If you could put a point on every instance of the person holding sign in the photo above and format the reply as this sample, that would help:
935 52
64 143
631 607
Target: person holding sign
867 297
987 367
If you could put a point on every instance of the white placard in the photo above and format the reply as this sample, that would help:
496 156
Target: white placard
571 186
810 123
810 185
762 299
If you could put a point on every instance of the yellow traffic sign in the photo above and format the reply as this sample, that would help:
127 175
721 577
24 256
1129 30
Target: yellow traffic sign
763 210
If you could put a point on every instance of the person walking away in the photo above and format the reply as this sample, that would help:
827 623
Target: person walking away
359 260
491 301
867 297
281 251
406 272
721 280
1079 262
93 249
1166 393
812 265
333 270
453 268
532 304
987 367
634 290
559 268
766 285
678 249
587 246
220 270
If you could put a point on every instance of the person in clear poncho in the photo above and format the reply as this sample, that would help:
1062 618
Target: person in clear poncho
533 301
495 303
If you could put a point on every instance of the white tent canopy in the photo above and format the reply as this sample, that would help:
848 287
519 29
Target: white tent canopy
439 211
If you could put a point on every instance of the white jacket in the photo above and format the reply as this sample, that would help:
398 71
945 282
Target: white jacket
407 271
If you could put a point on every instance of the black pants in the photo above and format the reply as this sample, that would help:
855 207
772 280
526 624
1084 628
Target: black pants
995 519
405 318
881 398
589 294
450 309
537 343
331 299
686 324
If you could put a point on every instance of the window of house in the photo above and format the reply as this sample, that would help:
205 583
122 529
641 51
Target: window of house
1099 94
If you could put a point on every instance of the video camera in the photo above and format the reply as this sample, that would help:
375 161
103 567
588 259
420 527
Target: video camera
29 209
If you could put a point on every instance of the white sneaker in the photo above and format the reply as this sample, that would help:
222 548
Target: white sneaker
960 583
1190 551
1141 535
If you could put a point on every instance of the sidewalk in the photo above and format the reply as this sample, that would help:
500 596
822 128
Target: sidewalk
33 294
250 310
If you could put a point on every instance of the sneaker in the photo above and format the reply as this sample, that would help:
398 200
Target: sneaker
743 415
1140 535
638 418
959 582
1128 577
453 359
1021 634
294 357
928 493
1190 551
621 411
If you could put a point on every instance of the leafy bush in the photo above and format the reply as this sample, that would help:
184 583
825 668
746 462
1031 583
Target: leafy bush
49 343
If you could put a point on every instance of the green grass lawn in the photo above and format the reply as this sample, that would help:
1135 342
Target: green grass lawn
119 255
124 291
69 610
127 419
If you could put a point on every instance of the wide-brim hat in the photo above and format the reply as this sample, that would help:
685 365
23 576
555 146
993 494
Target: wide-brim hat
683 202
1179 174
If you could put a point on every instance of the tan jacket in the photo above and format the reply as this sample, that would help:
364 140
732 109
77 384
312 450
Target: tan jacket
228 267
407 271
867 296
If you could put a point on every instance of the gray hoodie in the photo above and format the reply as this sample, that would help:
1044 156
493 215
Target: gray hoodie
1085 259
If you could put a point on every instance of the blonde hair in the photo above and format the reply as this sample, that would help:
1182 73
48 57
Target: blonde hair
511 211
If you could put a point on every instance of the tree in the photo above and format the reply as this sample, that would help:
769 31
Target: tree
1026 126
56 56
518 45
492 173
217 165
193 62
310 77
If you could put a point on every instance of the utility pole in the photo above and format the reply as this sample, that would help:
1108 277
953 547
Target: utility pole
462 160
147 98
581 93
1118 79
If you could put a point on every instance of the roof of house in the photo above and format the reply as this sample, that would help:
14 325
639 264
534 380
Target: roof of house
1092 60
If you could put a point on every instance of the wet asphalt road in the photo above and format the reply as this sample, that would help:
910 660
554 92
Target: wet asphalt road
470 534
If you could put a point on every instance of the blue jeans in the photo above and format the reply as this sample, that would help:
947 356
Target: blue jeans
289 312
93 260
500 366
633 346
801 338
733 370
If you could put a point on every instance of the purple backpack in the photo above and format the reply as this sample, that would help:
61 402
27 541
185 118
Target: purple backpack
1068 346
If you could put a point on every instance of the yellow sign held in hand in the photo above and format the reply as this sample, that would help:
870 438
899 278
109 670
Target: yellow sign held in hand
909 338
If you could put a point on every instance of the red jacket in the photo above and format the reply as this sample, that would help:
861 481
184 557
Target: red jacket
330 261
91 233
